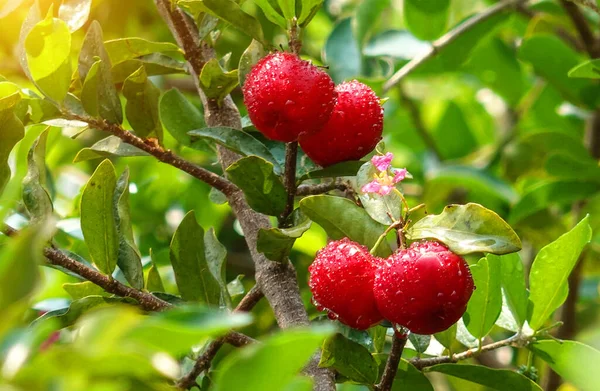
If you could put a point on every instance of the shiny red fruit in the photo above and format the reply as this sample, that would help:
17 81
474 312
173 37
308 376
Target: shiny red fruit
341 281
425 288
353 130
287 96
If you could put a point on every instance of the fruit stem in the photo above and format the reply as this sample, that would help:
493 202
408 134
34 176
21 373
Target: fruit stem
405 206
391 366
294 43
291 155
396 224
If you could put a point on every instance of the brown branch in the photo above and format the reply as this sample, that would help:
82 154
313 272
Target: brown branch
321 188
516 340
203 362
415 115
238 339
391 366
164 155
438 45
592 45
291 155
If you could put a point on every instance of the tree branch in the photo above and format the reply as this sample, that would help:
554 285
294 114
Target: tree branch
164 155
592 45
447 39
321 188
391 366
291 155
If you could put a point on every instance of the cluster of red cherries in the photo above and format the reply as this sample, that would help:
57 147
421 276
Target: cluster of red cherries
424 288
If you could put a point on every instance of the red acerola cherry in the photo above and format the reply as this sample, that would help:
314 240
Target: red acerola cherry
353 130
341 281
425 288
287 96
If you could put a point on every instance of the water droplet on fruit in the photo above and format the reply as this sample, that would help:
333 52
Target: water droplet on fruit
332 315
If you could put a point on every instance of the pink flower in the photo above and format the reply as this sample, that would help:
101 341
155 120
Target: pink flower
400 174
376 187
382 163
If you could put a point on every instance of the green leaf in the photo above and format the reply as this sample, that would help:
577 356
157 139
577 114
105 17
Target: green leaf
550 271
288 7
349 359
276 243
124 49
238 141
486 302
68 316
426 19
588 70
466 229
112 146
253 368
379 207
192 273
11 132
567 166
179 117
572 360
230 11
398 44
216 83
419 342
129 258
48 48
98 219
366 13
545 193
254 52
513 285
309 10
341 218
495 379
271 14
410 378
10 95
142 105
216 257
447 337
33 17
35 196
342 52
154 64
154 281
263 189
99 96
235 287
461 141
80 290
335 171
75 13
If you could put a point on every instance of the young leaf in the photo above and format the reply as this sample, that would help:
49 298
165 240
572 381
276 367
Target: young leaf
192 273
466 229
98 219
309 10
572 360
179 117
377 206
99 96
288 7
11 132
142 105
112 146
341 218
47 48
263 189
497 379
486 302
154 64
124 49
253 368
216 256
271 14
550 271
35 196
10 95
254 52
129 258
238 141
349 359
426 19
216 83
419 342
276 243
154 281
513 285
589 70
230 11
235 287
80 290
75 13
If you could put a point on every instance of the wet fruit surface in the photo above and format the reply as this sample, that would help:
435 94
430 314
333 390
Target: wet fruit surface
287 96
353 130
425 288
341 281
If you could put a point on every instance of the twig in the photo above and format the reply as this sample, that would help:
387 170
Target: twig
164 155
516 340
391 366
592 45
445 40
291 155
238 339
321 188
588 4
561 32
203 362
415 115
